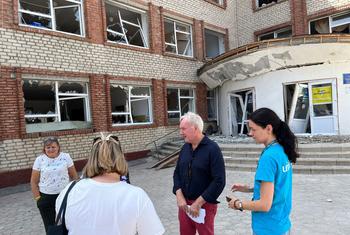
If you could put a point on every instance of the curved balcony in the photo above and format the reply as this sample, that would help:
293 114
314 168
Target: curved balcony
265 56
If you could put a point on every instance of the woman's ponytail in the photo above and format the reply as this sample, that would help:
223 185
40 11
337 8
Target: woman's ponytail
280 129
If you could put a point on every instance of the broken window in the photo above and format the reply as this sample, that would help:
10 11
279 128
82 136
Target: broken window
180 101
211 104
58 15
220 2
178 38
55 105
214 43
281 33
126 25
262 3
130 105
332 24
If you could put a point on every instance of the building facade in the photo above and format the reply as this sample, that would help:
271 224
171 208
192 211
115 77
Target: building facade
293 57
74 68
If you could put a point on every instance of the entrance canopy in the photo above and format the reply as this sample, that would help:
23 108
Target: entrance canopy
266 56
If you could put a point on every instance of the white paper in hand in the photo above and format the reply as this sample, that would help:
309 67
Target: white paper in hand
200 218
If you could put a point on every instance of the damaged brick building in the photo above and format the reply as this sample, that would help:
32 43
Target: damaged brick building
74 68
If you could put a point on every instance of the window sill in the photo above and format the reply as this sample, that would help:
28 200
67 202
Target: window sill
58 133
223 6
50 32
256 8
179 56
131 126
129 47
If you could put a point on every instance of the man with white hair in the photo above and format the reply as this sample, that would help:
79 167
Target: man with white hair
199 177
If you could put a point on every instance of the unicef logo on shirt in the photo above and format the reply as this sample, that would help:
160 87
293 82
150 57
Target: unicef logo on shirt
286 167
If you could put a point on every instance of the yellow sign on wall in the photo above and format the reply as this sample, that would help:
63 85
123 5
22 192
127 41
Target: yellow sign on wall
322 94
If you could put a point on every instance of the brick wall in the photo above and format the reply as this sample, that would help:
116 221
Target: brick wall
250 20
314 6
299 17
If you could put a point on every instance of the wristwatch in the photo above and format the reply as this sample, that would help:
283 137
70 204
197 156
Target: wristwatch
240 205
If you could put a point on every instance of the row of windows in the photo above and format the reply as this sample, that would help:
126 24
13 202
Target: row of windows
124 25
339 23
62 105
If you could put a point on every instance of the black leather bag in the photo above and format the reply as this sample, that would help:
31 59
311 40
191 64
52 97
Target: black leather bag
60 229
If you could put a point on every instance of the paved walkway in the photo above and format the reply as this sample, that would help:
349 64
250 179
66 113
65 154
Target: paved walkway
321 204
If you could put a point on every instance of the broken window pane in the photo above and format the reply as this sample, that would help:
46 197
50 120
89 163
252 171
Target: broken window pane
169 33
320 26
141 91
37 21
214 43
126 26
140 112
175 110
72 110
119 97
39 13
173 100
140 101
178 38
39 6
186 92
42 112
39 97
71 87
68 19
302 106
262 3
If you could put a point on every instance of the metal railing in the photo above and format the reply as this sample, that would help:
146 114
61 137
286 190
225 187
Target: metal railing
160 138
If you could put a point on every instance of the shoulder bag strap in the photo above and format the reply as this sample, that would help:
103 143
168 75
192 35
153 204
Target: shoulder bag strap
62 211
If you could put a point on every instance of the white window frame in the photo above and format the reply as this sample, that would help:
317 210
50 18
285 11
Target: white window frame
179 97
63 96
52 16
128 114
220 36
275 33
265 4
215 98
331 23
143 26
175 22
220 2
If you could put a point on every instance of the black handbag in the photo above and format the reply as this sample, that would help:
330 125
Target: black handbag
60 229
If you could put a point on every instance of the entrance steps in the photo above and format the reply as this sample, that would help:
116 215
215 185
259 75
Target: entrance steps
315 158
320 158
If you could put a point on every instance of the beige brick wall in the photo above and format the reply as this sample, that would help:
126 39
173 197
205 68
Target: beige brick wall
202 10
26 49
20 153
249 21
314 6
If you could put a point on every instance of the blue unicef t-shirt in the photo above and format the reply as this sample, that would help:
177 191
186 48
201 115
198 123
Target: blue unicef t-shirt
274 166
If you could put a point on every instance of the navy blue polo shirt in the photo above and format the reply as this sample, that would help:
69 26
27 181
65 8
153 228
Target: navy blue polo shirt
200 172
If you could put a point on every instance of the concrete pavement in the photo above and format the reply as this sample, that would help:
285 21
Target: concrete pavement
321 204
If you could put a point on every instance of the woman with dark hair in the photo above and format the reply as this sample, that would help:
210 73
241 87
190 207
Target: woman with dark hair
272 192
51 173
